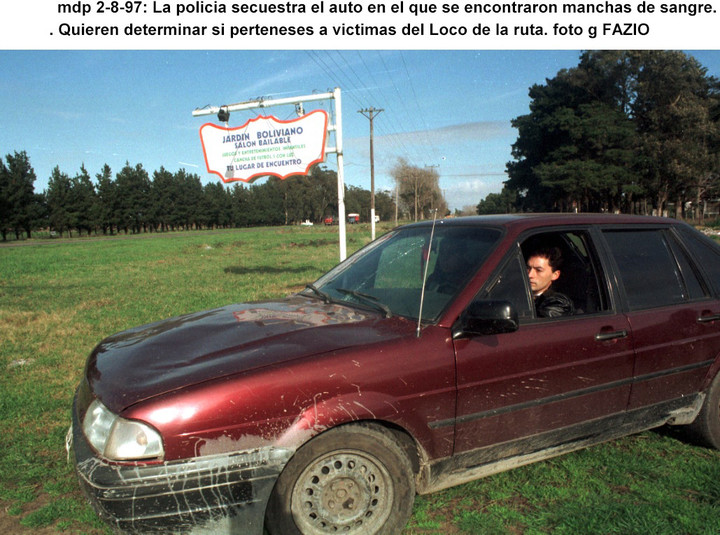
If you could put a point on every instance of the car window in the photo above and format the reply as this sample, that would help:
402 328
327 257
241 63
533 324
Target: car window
581 278
510 285
648 270
581 282
694 285
706 252
391 271
400 264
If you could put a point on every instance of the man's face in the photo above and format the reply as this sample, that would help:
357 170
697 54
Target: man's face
540 274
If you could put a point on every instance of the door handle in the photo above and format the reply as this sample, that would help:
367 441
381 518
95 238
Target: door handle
604 337
709 318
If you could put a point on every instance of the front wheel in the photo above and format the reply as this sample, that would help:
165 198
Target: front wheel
706 427
354 479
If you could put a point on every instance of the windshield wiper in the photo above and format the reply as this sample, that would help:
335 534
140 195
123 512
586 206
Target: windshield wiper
368 299
318 292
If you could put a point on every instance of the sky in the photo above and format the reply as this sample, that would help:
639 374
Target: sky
451 110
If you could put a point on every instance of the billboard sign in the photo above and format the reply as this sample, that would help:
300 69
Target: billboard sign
265 146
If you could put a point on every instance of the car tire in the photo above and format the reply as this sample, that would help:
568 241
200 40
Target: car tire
354 479
706 427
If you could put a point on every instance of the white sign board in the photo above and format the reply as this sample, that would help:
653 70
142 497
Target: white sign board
265 146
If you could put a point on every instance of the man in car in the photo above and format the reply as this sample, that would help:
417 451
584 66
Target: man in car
543 268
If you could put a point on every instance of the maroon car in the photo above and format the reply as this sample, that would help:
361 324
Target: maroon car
419 363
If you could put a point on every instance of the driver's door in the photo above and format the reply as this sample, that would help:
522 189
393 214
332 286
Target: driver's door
545 378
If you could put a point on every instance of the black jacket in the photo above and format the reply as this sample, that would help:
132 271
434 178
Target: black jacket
552 304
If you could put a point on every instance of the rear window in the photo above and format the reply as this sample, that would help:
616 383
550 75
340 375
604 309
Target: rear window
650 271
706 252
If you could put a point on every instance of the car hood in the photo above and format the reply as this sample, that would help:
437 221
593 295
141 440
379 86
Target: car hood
147 361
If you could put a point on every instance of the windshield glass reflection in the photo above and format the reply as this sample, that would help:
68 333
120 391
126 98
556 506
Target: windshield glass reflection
387 275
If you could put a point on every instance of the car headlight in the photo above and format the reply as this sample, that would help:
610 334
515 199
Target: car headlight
118 439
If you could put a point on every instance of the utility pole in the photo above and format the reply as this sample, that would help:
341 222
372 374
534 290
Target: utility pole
432 199
397 199
370 113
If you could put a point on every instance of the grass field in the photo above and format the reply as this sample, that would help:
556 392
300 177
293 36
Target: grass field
58 299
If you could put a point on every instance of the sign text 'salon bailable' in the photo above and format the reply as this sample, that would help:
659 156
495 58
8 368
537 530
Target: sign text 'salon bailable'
265 146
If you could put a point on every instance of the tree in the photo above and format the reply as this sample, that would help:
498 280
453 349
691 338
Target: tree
539 136
309 197
672 111
163 199
59 202
240 205
82 200
217 208
357 201
498 203
384 205
322 198
133 203
267 203
106 202
5 217
133 188
573 149
590 171
186 195
619 126
17 196
707 186
419 188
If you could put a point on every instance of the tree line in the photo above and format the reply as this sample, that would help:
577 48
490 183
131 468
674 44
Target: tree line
623 131
133 201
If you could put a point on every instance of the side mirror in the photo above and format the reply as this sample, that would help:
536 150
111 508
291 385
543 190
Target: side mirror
483 318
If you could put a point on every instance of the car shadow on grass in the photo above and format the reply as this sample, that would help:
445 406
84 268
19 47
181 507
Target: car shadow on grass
681 433
273 270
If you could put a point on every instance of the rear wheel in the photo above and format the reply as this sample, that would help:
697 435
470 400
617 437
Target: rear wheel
354 479
706 427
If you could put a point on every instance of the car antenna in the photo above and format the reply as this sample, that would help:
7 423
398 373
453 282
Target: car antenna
424 280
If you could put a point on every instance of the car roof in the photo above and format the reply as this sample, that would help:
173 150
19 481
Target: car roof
532 220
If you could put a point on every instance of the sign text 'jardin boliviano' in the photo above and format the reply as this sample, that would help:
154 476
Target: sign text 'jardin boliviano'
265 146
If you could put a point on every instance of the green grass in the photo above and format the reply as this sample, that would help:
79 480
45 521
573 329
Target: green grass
58 299
648 483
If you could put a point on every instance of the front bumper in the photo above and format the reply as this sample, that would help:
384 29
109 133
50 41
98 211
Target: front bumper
224 493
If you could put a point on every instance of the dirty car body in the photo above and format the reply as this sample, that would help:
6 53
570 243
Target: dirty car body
401 371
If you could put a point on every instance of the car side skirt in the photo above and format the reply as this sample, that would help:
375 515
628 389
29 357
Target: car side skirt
468 466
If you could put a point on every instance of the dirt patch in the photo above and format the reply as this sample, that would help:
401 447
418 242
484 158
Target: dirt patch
10 524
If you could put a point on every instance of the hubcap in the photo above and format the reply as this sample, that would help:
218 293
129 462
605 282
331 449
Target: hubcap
343 492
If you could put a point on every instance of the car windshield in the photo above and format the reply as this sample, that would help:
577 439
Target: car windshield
388 274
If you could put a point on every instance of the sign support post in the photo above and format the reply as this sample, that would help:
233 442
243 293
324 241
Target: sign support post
336 127
341 174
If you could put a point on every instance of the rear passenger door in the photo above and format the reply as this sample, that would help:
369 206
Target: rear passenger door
671 310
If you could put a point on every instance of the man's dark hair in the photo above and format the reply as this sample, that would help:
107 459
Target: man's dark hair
553 255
